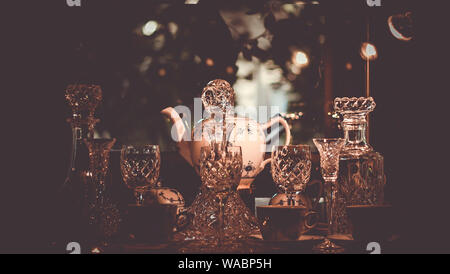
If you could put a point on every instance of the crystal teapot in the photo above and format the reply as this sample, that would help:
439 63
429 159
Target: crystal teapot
218 97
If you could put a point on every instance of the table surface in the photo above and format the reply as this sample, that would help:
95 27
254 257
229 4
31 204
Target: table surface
253 245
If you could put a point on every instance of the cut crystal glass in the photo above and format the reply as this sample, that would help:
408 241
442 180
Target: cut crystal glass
218 218
329 150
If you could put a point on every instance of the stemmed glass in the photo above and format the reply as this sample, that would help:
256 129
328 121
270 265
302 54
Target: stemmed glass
220 172
291 169
329 150
140 168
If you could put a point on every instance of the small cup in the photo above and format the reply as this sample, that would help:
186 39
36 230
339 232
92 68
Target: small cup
285 223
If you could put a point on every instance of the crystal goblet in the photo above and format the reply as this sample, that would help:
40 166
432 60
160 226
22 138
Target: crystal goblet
140 168
291 169
329 150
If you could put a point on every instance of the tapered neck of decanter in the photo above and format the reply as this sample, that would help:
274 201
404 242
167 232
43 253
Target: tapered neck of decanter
355 125
83 126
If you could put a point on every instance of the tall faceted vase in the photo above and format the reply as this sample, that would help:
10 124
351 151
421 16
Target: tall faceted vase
103 215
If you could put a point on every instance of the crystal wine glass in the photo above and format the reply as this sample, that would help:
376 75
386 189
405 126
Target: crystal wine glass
291 168
329 150
140 168
220 172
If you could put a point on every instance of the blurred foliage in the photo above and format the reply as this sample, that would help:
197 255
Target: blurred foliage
140 75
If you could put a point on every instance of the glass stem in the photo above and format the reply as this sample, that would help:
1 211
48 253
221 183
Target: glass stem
101 192
139 197
73 154
290 199
221 213
330 201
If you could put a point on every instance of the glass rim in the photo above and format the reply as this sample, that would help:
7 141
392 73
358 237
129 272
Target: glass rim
140 146
328 139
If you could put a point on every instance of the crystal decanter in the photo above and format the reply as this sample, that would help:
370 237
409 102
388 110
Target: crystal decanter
361 177
361 172
218 220
83 100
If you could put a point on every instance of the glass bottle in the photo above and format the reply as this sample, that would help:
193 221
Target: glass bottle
361 171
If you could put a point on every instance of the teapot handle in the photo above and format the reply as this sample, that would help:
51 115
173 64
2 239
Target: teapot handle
283 122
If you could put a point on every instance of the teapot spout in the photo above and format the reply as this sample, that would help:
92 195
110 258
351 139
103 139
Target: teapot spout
178 131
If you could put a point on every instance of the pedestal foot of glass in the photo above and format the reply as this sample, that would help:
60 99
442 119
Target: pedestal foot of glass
328 247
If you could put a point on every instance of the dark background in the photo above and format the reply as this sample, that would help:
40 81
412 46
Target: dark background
38 63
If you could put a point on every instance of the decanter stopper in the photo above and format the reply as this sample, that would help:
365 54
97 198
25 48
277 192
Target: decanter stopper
218 93
83 99
352 105
354 111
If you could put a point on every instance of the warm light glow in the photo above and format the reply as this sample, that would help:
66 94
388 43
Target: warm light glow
149 28
300 59
209 62
349 66
162 72
369 51
230 70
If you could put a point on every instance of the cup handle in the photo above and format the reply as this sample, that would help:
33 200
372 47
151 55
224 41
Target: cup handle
285 125
264 163
307 215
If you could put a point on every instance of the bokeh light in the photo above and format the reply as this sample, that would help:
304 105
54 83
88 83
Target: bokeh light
368 51
209 62
348 66
149 28
400 26
300 58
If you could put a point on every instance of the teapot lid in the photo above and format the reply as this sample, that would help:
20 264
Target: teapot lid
218 93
